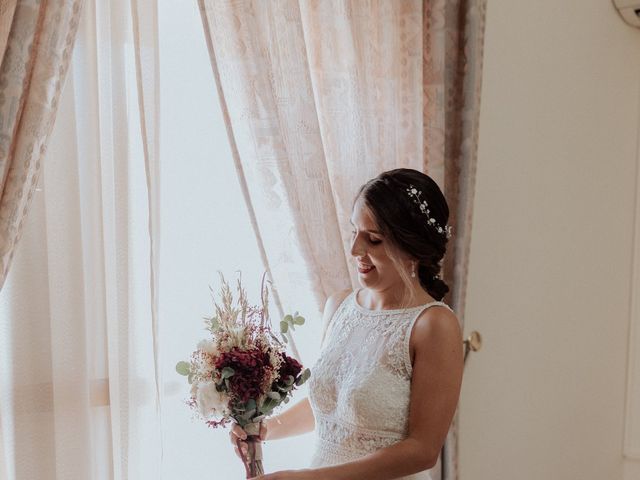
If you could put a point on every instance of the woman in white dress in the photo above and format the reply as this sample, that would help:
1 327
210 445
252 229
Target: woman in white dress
385 388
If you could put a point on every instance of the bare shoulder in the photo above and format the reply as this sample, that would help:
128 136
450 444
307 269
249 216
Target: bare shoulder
438 327
333 302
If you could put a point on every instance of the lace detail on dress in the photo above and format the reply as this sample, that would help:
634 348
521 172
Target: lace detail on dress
360 386
354 438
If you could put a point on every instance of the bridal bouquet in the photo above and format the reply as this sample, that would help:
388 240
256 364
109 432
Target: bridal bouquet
241 371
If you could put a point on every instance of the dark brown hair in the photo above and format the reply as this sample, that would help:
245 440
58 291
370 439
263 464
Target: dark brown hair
401 221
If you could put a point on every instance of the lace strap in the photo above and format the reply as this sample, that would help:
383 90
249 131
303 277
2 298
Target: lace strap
407 337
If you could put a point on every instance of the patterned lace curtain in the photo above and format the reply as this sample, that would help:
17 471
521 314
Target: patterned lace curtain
36 41
320 96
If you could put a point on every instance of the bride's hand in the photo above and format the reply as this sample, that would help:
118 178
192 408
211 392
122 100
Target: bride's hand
237 433
288 475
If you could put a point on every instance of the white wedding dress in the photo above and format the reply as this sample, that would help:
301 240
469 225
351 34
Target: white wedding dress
359 387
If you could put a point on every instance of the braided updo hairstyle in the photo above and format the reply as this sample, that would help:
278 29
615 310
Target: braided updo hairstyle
401 221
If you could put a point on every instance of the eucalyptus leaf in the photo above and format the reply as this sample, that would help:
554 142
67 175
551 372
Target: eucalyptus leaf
274 395
288 319
183 368
227 372
286 400
303 377
267 406
247 415
284 326
298 320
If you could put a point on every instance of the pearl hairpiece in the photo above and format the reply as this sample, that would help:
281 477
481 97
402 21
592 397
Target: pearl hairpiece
415 195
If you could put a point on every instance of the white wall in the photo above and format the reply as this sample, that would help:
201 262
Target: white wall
551 253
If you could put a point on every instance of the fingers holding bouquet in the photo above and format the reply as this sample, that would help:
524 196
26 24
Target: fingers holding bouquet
288 475
238 437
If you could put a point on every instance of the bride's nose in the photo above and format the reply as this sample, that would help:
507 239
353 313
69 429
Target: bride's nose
357 249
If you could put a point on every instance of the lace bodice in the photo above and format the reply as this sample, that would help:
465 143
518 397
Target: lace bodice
360 385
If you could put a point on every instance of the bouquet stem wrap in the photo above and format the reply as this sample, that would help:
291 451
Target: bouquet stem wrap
253 460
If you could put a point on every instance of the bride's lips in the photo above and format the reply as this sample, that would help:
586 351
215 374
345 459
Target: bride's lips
364 268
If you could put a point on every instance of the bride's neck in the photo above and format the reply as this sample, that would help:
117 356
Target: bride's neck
393 298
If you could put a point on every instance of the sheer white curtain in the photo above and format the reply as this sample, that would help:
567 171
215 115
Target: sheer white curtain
78 396
77 351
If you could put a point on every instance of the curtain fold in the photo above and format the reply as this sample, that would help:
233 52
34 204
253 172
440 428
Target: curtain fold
144 18
7 9
320 96
453 39
117 82
34 64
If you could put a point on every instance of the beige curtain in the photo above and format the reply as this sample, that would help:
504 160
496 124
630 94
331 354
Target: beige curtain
453 39
7 9
35 55
321 95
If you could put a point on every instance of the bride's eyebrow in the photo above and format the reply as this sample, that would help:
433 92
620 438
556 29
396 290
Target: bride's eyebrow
375 232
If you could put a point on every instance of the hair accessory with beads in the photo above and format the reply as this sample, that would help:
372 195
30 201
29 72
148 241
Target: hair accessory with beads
416 194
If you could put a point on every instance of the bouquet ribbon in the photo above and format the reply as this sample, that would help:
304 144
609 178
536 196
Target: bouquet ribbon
253 460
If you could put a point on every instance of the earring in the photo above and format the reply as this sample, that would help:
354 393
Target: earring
413 269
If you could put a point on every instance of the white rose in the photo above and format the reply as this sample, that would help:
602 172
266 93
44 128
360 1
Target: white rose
210 401
208 346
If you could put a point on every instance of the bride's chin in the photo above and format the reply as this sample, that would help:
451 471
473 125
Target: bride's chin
367 280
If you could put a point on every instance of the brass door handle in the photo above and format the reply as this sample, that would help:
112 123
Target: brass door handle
472 343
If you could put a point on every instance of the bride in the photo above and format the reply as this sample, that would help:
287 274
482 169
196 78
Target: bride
385 387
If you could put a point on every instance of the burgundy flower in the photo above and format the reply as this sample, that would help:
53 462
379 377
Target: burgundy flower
289 366
250 368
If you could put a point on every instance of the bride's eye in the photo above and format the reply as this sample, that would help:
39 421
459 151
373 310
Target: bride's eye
373 241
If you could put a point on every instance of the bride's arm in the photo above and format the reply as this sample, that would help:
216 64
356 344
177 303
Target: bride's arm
299 418
435 388
296 420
